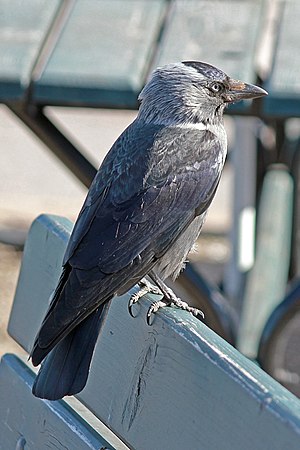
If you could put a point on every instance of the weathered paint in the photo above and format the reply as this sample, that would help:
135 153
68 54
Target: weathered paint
174 384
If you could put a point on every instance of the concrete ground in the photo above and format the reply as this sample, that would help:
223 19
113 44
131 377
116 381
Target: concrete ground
33 181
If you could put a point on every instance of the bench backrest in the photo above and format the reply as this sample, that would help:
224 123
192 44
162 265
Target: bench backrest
172 385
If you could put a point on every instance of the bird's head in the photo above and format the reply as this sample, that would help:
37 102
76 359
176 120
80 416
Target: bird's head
191 92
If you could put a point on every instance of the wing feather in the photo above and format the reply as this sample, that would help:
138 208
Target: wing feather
150 187
129 219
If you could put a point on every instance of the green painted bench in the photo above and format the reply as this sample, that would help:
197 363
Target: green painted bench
283 83
43 62
90 53
172 385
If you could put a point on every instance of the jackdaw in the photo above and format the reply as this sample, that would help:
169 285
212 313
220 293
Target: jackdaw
142 215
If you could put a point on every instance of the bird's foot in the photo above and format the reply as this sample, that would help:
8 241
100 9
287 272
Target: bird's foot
185 307
170 299
155 306
145 288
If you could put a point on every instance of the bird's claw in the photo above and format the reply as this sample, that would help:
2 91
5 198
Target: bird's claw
155 306
146 288
185 307
169 299
175 302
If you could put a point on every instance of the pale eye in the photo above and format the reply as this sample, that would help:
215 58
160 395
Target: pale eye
216 88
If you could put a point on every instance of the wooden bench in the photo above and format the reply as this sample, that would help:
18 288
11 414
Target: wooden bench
86 53
172 385
44 63
283 83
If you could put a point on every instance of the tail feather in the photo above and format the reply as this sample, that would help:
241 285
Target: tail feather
66 310
66 368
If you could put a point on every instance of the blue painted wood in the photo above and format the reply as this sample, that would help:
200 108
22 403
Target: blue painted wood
284 84
175 384
223 33
23 27
38 424
102 56
40 270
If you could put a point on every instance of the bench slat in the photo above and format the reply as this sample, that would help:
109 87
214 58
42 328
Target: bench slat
39 424
22 32
108 65
284 84
218 36
171 385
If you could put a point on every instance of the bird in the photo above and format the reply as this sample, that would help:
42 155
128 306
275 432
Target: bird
142 215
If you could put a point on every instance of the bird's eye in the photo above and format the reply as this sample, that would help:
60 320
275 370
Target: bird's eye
216 88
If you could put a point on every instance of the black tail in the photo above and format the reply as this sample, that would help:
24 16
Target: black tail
65 369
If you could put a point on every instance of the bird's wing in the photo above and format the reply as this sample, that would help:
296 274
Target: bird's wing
147 191
119 178
147 187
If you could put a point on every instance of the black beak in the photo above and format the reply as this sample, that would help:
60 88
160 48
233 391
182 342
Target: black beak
241 91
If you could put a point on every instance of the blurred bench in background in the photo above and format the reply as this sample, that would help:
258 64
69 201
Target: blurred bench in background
172 385
99 54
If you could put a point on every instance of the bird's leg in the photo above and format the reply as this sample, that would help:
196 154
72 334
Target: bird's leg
170 299
145 288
